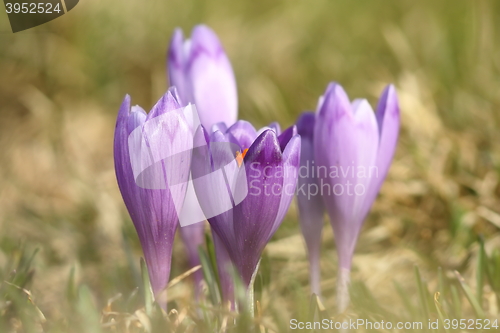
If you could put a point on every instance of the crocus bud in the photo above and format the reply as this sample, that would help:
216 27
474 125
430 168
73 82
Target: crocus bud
353 149
310 202
148 155
202 73
266 166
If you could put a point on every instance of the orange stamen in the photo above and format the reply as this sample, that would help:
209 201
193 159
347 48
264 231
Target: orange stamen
240 156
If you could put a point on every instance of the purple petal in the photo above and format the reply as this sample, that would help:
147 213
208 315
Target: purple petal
388 126
367 134
167 103
222 151
242 133
388 123
201 163
291 161
209 181
285 137
220 126
276 127
305 125
211 78
176 63
254 218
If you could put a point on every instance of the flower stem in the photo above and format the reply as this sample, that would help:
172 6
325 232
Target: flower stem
314 273
343 281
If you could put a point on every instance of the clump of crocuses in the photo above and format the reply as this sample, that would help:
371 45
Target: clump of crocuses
353 149
245 179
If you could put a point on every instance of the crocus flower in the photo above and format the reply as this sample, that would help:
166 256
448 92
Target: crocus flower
310 202
148 154
353 149
266 166
202 73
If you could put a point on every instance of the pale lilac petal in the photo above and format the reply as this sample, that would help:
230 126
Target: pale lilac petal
368 142
136 117
222 151
291 162
388 123
255 216
176 66
220 126
242 133
209 180
167 103
285 137
211 78
276 127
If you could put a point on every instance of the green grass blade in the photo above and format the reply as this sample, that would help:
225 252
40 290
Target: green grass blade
212 256
210 277
480 269
470 296
423 293
71 292
457 303
406 300
90 316
441 313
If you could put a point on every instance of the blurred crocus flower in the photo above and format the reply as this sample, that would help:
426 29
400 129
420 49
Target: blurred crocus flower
152 159
260 175
353 150
200 70
310 202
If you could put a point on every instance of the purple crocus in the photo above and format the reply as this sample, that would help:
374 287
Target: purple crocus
202 73
260 176
152 151
353 149
311 208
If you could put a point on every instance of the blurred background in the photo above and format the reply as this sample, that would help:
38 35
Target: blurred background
61 85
